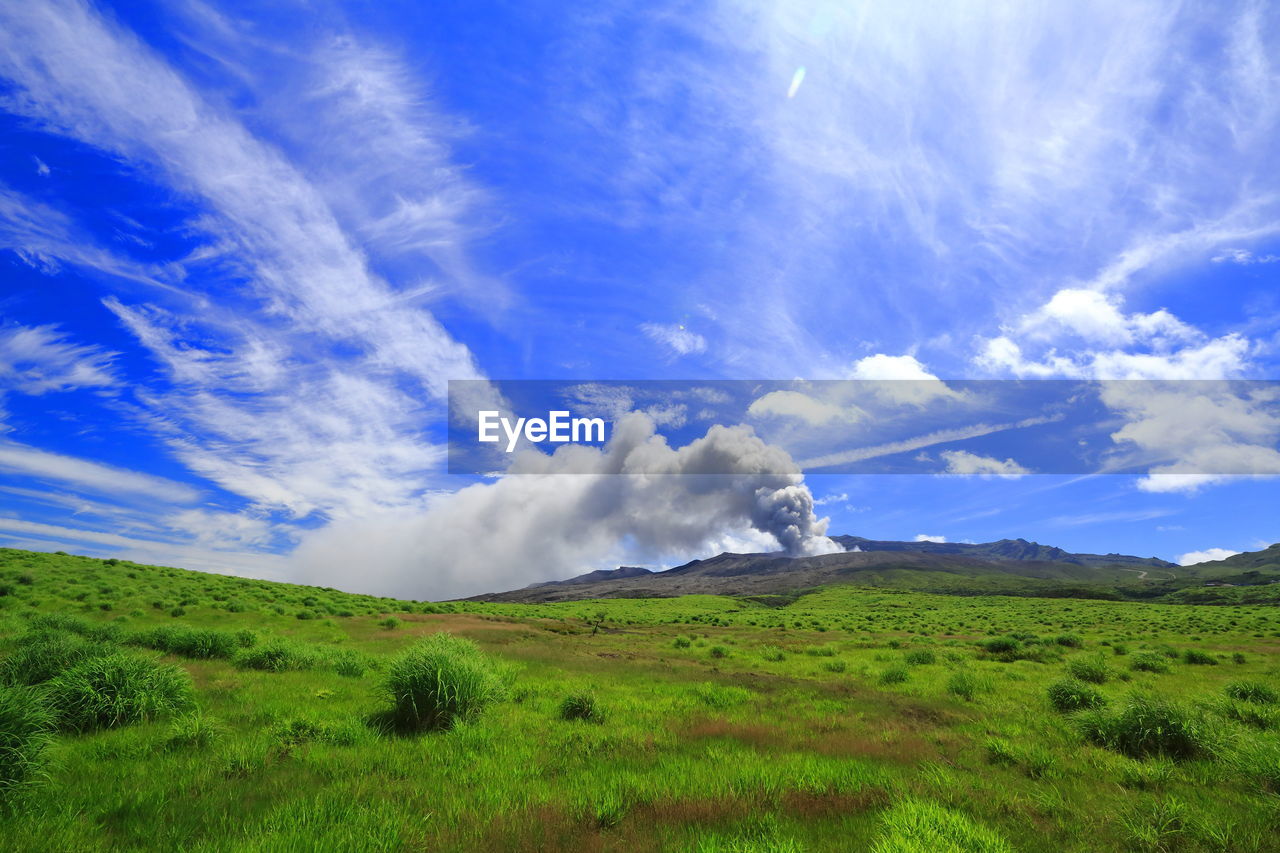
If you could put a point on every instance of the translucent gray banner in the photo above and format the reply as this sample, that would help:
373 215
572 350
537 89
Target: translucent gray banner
980 428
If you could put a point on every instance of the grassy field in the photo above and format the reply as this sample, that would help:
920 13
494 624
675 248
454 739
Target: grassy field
155 708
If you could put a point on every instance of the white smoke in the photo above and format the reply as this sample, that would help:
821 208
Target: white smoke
638 499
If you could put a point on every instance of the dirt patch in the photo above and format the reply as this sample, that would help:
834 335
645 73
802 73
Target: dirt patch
892 742
701 811
758 736
924 716
810 804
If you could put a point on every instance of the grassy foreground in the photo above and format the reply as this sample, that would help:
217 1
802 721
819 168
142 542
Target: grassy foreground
155 708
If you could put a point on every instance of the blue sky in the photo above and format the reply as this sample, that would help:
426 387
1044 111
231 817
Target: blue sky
244 247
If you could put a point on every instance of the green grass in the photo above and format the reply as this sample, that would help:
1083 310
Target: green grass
1253 691
116 690
917 826
789 741
25 727
1069 694
1152 726
582 706
441 681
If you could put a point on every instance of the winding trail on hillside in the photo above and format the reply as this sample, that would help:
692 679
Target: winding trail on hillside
1142 574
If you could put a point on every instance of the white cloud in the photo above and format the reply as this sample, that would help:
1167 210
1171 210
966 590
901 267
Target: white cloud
962 462
839 498
900 379
1097 318
1112 344
944 436
1207 555
675 337
256 400
1091 518
881 366
924 537
1009 152
795 404
46 239
1195 434
170 553
1243 257
93 476
41 359
1162 484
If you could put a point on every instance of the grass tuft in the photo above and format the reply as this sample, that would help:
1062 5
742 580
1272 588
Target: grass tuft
920 826
1149 726
1092 670
116 690
25 726
1199 658
581 706
276 656
1149 662
896 674
194 731
1252 691
1070 695
45 653
440 681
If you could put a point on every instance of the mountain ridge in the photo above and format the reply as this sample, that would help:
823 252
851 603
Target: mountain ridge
959 566
1011 549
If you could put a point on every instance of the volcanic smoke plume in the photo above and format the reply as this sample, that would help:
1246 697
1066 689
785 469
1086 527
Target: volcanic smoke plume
639 500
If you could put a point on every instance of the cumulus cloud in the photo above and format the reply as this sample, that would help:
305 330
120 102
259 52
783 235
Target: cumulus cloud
1097 317
900 379
924 537
1107 343
640 499
1208 555
796 404
962 462
1194 434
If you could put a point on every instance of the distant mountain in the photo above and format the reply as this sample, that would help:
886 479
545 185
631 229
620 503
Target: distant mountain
598 575
1010 565
1004 549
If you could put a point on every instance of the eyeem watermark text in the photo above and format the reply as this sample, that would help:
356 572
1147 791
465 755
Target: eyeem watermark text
558 428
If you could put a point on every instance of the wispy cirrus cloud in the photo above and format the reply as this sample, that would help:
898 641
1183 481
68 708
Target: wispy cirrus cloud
96 477
1243 257
176 552
41 359
675 337
46 238
254 400
938 168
